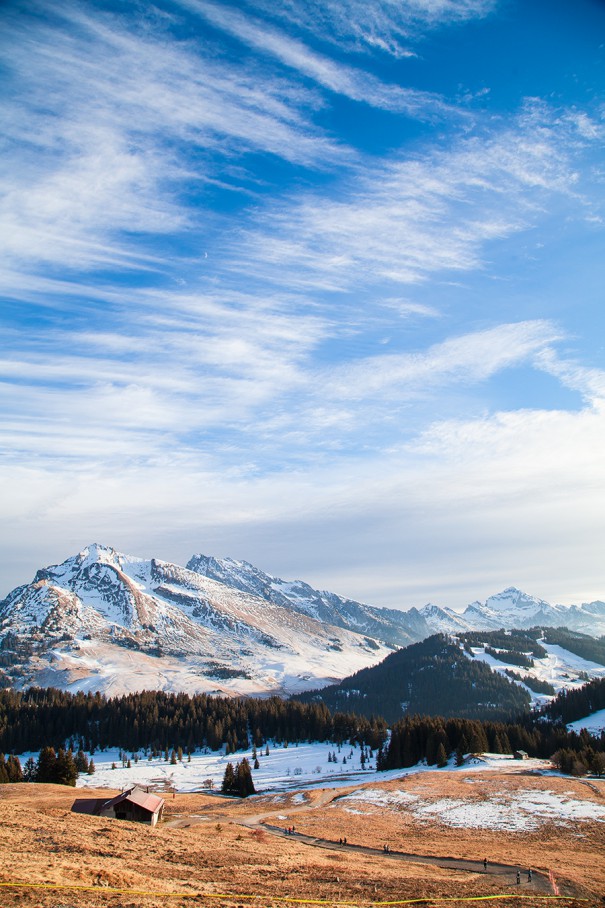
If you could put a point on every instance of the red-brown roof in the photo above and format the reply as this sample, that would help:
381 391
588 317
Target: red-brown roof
137 796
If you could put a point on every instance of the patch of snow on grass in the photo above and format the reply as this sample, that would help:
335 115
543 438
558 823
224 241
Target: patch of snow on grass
377 797
522 811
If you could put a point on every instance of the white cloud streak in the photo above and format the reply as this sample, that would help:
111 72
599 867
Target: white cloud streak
390 26
335 76
408 219
101 149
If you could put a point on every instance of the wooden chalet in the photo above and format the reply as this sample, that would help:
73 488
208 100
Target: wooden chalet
134 804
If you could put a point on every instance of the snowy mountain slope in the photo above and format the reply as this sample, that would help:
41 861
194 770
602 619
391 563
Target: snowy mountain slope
443 620
106 621
393 627
511 608
561 668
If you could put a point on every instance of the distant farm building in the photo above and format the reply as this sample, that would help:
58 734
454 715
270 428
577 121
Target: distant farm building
135 804
521 755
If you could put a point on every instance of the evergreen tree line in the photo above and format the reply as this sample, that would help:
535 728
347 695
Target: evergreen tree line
61 768
436 739
536 684
514 641
49 717
510 656
571 705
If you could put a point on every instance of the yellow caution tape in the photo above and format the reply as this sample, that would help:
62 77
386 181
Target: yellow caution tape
237 896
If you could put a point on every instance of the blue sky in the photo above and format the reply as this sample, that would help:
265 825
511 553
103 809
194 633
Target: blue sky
318 285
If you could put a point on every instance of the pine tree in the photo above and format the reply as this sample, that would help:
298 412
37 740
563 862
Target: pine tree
441 756
13 768
46 765
245 785
66 770
81 761
229 784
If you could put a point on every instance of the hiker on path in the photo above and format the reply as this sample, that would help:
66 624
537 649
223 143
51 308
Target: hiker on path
529 876
518 877
485 865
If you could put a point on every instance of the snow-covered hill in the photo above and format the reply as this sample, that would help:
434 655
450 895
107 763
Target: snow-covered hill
106 621
560 668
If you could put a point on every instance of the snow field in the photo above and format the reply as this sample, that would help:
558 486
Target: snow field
284 768
594 724
520 811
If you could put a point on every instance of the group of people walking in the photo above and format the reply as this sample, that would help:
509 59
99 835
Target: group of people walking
529 873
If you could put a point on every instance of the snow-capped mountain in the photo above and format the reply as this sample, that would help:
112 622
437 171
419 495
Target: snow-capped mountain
393 627
514 609
442 620
106 621
511 608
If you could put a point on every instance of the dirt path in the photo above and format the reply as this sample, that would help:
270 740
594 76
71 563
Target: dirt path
506 874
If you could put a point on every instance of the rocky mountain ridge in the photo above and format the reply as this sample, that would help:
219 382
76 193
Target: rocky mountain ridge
102 620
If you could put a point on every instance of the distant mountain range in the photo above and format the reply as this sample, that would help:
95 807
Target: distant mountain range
106 621
509 609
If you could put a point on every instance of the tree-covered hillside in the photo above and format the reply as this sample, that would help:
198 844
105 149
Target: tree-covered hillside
522 646
434 678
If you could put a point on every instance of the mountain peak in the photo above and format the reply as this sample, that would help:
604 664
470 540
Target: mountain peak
98 553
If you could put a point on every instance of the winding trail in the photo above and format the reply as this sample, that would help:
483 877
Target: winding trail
541 883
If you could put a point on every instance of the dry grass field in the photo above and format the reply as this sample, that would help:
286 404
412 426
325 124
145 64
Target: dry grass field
205 850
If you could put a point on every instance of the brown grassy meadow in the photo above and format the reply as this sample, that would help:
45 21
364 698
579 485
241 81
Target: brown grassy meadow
204 853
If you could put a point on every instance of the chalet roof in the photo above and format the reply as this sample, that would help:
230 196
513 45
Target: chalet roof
137 796
91 806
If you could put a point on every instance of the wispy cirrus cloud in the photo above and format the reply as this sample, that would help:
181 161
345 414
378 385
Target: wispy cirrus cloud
405 219
334 75
267 334
386 25
468 359
110 131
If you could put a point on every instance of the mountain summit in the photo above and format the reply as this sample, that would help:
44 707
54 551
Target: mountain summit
106 621
103 620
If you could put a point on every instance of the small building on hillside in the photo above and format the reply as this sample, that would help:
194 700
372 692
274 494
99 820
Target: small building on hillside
521 755
135 804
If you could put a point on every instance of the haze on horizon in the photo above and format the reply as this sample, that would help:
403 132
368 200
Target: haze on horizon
318 286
